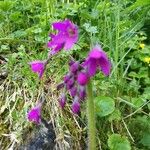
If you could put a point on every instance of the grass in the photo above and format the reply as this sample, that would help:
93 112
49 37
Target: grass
118 26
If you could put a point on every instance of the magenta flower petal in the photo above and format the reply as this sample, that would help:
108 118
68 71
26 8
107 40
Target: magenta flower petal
105 66
38 67
60 38
73 91
70 83
74 67
56 43
97 59
66 37
57 48
82 78
92 66
67 77
62 25
34 114
68 44
95 53
75 106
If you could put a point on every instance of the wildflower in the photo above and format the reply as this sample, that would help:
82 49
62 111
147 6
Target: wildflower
142 45
70 83
73 91
74 82
82 78
97 59
66 37
147 60
82 92
38 67
62 101
76 106
71 62
67 77
34 114
56 47
74 67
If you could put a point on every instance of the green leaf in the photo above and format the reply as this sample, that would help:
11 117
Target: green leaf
104 105
6 5
116 115
138 3
137 101
118 142
146 140
89 28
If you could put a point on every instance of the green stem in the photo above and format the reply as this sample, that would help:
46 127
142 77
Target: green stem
91 118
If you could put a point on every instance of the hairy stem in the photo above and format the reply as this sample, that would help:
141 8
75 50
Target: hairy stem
91 118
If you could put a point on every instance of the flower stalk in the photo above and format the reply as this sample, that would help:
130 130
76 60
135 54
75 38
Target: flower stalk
91 118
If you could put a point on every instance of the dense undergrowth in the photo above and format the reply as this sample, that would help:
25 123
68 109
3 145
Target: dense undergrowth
122 29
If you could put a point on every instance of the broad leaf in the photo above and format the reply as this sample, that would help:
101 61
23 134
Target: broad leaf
104 105
118 142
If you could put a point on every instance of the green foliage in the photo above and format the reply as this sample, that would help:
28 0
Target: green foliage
118 142
115 116
104 105
141 132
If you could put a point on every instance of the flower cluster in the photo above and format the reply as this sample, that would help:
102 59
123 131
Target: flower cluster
66 37
79 75
97 59
74 82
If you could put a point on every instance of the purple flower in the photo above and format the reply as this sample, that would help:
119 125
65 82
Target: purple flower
56 47
76 106
73 91
97 59
38 67
82 78
67 36
34 114
62 101
70 83
74 67
71 62
67 77
82 92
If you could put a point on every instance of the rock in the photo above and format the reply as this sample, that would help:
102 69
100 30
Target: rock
42 139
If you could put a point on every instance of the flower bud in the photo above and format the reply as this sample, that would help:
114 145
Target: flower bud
75 106
82 92
82 78
74 67
67 77
34 114
38 67
70 83
73 91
